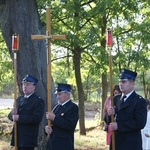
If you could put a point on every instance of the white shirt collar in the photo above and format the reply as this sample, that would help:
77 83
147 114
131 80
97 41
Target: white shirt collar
27 96
65 102
127 95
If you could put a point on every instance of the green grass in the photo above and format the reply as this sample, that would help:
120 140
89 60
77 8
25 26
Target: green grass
94 139
5 129
4 142
4 112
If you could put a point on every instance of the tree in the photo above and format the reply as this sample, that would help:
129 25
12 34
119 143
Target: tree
77 21
86 22
22 17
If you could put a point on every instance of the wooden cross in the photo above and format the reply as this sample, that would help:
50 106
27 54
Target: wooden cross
48 37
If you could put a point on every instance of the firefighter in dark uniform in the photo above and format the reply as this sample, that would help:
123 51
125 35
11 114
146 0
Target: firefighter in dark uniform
64 117
28 115
129 112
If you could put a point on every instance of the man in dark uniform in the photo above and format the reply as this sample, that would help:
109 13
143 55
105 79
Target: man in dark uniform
28 115
64 117
129 114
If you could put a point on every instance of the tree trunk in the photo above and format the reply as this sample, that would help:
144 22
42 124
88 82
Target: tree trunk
81 98
104 75
22 17
104 92
144 86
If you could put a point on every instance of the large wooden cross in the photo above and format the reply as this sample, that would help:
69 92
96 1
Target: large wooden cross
48 37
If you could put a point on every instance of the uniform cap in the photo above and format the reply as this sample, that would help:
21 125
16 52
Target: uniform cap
127 74
31 79
61 87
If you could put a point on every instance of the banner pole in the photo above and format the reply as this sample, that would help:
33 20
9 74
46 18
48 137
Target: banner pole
15 42
109 47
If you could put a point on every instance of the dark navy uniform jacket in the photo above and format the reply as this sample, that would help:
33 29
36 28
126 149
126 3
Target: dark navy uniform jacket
131 118
63 126
30 115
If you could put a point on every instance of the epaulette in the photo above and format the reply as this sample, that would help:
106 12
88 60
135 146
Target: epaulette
139 96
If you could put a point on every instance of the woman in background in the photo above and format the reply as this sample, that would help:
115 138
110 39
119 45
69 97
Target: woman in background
107 104
146 130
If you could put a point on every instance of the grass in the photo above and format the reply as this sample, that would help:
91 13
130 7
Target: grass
93 140
4 142
5 129
4 112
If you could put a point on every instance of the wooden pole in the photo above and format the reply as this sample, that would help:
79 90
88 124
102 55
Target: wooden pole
48 47
15 42
109 46
48 37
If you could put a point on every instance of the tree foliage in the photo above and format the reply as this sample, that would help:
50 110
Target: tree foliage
6 72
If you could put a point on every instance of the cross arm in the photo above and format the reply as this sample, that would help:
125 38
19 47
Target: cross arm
54 37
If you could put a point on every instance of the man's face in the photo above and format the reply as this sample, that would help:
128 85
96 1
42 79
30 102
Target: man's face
63 96
126 86
28 88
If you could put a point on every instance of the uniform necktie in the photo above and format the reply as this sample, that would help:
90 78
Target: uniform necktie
122 99
23 101
57 108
